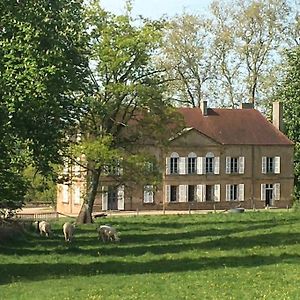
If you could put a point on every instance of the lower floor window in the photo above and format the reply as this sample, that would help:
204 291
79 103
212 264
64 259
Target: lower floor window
235 192
148 194
210 193
192 193
173 193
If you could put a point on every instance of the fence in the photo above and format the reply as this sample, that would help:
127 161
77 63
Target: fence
38 216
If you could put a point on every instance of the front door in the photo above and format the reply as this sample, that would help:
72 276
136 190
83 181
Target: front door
112 198
269 194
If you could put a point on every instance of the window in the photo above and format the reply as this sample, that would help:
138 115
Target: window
270 192
192 189
235 192
209 165
77 195
235 165
148 194
271 165
173 193
192 163
113 169
209 193
65 193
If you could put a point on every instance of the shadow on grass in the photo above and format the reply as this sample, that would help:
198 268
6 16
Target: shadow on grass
37 272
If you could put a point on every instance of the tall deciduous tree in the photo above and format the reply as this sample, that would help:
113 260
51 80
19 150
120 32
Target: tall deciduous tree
41 67
289 94
125 111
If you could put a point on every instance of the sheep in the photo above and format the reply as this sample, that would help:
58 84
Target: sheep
43 227
68 230
107 233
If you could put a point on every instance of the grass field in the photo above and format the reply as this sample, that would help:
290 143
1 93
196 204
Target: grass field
255 255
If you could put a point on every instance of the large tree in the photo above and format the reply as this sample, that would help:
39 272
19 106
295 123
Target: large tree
289 94
42 64
124 111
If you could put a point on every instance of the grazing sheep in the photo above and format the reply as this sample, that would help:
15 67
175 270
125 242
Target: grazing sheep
43 227
108 233
68 230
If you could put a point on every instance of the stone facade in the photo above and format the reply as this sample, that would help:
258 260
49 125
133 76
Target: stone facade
202 171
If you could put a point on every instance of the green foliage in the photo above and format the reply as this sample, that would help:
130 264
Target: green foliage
289 94
160 257
42 65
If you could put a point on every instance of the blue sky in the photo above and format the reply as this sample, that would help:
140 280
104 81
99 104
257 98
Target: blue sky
156 8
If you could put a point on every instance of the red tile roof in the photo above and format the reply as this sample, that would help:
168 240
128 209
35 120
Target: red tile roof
234 126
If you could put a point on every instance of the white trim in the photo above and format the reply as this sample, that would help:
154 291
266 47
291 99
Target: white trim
264 164
199 193
167 165
121 200
65 193
277 165
182 169
104 197
241 165
77 195
228 192
148 194
167 193
217 190
182 193
200 165
241 195
217 165
228 165
263 192
276 191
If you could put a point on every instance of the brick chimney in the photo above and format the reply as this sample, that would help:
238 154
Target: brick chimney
203 106
246 105
278 115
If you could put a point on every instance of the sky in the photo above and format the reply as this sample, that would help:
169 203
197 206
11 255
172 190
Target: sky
157 8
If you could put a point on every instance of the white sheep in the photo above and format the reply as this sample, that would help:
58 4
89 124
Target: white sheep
107 233
43 227
68 230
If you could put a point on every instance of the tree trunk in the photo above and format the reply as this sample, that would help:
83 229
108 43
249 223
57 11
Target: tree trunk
93 190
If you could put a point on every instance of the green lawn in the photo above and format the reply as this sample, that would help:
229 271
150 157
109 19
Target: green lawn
255 255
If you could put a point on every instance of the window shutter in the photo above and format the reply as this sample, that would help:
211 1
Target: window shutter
167 165
228 171
148 194
217 192
200 165
182 170
263 192
227 192
264 165
182 193
277 165
65 192
199 193
241 165
168 193
121 201
276 191
241 192
217 165
104 197
77 195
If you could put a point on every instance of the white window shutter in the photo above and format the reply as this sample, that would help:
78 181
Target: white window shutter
104 198
241 192
121 202
65 193
182 169
217 192
277 165
199 165
263 192
217 165
77 195
264 165
167 165
228 169
241 165
227 192
182 193
276 190
199 193
168 193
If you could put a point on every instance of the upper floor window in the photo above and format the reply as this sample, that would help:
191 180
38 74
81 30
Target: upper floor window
174 161
148 194
209 163
235 165
271 164
192 163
